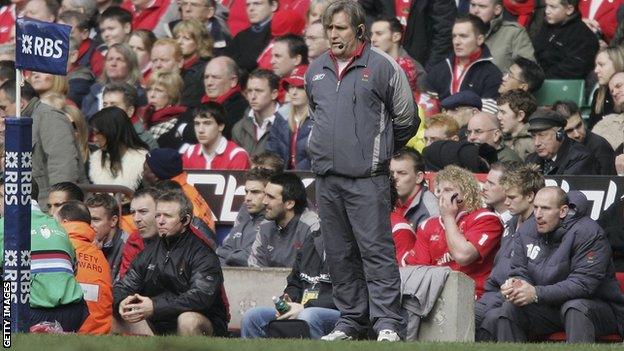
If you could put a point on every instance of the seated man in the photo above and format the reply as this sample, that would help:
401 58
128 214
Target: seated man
308 292
562 277
414 202
484 128
175 285
93 274
565 47
143 211
493 193
598 146
470 67
523 74
236 247
514 108
465 236
555 153
109 237
164 164
60 193
289 223
55 294
520 186
213 151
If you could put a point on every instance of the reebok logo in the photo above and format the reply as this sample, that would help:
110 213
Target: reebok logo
44 47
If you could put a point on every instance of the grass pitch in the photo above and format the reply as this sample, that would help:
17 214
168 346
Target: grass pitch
173 343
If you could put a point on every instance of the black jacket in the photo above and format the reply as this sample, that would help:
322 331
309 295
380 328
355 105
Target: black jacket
179 273
572 262
428 31
310 270
572 159
567 50
612 221
602 152
607 108
483 77
248 45
193 78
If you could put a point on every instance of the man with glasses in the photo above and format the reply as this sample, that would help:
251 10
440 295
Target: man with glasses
484 128
555 153
523 74
315 40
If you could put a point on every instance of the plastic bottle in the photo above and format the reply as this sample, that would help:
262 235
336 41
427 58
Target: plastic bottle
280 305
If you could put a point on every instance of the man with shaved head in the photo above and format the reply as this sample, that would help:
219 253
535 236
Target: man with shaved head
562 277
485 128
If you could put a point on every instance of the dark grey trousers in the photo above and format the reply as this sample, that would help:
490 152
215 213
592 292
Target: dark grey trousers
581 319
355 222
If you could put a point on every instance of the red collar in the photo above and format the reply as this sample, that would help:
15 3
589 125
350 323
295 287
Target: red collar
221 98
164 114
190 62
472 58
358 53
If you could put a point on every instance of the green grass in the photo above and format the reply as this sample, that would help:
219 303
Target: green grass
123 343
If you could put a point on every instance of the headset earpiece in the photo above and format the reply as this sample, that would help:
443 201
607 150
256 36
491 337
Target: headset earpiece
560 135
360 32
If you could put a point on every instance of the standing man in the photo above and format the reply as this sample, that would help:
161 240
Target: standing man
362 110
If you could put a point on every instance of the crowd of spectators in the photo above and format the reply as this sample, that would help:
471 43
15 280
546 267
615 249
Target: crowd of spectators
369 96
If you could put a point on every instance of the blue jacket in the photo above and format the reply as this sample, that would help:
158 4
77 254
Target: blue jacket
360 116
572 262
279 142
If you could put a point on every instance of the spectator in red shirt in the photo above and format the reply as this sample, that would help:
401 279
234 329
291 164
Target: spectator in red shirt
387 35
601 17
7 19
466 236
414 201
153 15
214 151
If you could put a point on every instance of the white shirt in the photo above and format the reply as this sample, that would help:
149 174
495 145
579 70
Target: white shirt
261 130
209 156
593 8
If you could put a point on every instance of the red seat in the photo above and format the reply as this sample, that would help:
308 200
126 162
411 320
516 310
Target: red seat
561 336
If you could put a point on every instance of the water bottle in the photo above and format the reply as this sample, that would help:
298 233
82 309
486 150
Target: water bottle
281 305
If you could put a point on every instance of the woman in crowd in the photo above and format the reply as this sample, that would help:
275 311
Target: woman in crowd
196 46
121 65
289 138
163 109
141 42
46 85
608 62
121 153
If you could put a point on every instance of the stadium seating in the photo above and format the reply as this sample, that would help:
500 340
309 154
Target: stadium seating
561 89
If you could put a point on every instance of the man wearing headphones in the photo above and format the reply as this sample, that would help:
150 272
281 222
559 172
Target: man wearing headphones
175 285
362 109
555 153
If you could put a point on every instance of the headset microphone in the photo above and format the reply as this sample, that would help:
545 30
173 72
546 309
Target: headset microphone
341 46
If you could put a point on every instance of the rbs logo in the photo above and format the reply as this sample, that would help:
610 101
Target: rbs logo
44 47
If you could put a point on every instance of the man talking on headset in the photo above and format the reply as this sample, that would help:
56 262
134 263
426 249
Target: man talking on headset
555 153
362 110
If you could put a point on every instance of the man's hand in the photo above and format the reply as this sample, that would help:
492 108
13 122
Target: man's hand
293 313
136 308
520 293
448 208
